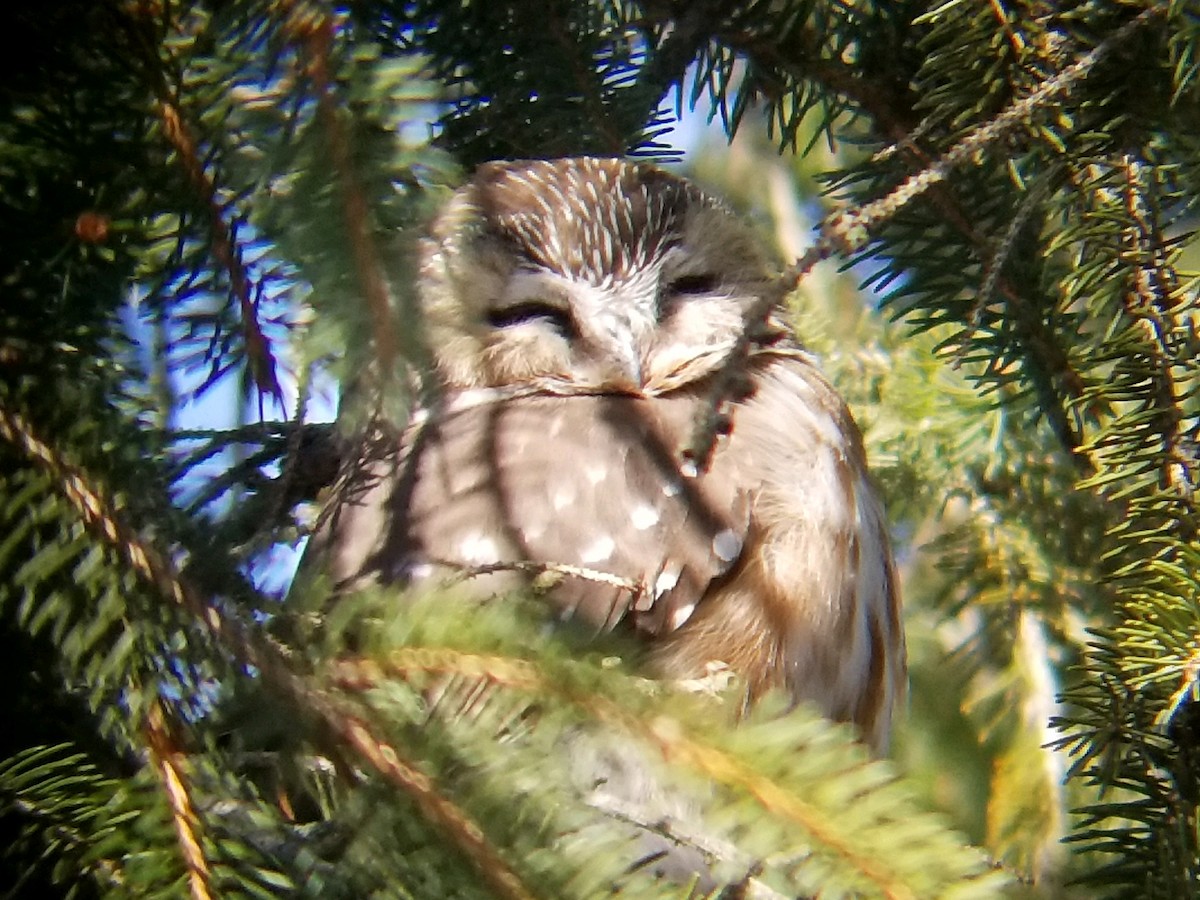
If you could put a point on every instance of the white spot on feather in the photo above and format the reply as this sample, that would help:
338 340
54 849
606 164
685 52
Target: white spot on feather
666 580
478 549
726 545
599 550
644 516
681 614
533 530
563 496
596 473
419 570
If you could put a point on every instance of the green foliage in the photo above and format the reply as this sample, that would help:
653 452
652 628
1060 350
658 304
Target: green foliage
193 192
542 80
93 835
65 821
487 704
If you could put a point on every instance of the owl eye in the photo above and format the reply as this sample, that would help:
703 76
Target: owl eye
688 285
529 312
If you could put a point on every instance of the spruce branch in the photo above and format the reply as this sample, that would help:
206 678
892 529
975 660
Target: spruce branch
1152 303
995 266
260 358
1150 355
100 517
587 85
847 230
855 226
32 783
799 57
676 743
313 30
163 758
1063 295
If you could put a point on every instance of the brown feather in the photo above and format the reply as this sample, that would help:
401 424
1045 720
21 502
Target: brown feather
578 310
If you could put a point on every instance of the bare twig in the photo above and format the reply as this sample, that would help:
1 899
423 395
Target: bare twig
465 572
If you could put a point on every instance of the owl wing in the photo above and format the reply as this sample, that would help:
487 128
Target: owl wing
588 486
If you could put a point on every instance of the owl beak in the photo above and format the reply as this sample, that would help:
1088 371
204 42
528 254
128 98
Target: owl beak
610 368
616 326
619 356
612 375
626 372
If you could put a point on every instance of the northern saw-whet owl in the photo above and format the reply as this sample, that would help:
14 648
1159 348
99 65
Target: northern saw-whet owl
577 311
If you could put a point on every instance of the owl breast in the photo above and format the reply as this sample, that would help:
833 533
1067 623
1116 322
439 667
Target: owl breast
773 562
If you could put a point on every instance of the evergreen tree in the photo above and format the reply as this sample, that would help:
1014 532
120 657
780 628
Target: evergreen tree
215 193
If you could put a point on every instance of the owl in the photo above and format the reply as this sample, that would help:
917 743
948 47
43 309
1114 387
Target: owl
577 312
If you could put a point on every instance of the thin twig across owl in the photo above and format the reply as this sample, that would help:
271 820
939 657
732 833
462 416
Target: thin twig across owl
578 312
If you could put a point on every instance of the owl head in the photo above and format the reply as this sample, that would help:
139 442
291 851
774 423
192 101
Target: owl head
588 274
